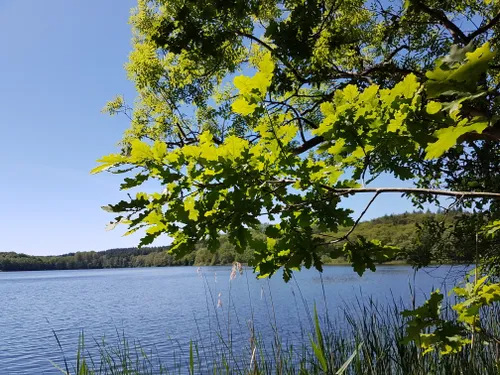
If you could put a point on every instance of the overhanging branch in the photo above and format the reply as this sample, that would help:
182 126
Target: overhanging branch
420 191
307 145
485 28
378 191
381 190
457 34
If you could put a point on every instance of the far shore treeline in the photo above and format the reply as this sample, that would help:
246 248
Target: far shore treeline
441 239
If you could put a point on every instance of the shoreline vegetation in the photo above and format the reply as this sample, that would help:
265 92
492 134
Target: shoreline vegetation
331 263
402 230
363 337
372 346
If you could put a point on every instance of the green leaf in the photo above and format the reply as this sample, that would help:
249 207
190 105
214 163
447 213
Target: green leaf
433 107
108 161
351 93
337 147
450 77
159 151
397 123
409 86
447 138
137 180
273 231
364 254
141 152
242 107
189 206
319 347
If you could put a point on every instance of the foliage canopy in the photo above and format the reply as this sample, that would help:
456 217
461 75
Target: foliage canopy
274 111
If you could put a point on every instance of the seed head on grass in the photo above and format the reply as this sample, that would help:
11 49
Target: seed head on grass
237 268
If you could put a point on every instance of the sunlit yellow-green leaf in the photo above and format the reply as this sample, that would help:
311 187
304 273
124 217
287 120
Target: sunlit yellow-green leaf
433 107
351 93
233 147
337 147
159 151
369 93
173 156
108 161
189 206
407 87
242 107
286 133
206 137
397 122
141 151
266 64
447 138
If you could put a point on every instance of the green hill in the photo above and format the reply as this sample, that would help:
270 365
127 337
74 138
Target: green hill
421 237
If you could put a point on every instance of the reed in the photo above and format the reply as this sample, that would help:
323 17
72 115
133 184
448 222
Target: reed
366 338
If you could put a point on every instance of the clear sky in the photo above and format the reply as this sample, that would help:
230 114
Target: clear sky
62 61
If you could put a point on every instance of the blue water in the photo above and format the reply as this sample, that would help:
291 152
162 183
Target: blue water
154 305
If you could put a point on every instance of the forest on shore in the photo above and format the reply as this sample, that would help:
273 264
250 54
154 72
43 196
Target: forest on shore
420 237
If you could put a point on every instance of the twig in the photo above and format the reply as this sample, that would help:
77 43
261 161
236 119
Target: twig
345 236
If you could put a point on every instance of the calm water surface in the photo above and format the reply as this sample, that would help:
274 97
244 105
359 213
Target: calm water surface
153 305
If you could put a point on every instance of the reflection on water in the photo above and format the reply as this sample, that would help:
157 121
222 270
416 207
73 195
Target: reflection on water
329 279
393 270
153 304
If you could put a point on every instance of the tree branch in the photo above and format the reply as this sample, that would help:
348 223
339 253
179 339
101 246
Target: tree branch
491 133
386 61
448 193
274 52
345 236
484 28
307 145
298 115
380 190
457 34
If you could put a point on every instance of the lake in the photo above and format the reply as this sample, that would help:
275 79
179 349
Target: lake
164 307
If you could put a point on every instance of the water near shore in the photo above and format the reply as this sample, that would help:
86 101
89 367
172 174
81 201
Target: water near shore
166 307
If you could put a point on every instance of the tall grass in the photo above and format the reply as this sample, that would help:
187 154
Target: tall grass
367 338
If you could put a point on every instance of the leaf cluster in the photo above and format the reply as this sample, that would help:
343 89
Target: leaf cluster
266 111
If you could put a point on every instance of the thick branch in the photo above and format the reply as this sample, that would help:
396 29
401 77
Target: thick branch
485 28
307 145
491 133
457 34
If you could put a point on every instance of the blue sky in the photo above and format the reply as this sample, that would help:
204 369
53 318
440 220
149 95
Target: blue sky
62 61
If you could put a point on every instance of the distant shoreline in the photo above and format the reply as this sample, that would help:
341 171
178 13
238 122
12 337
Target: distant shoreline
395 263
